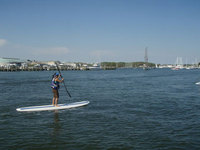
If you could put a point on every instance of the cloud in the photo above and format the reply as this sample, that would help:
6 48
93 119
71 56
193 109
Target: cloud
32 52
49 53
2 42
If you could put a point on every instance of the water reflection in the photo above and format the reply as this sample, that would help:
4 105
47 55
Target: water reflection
56 123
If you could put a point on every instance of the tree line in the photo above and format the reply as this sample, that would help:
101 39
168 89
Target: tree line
126 64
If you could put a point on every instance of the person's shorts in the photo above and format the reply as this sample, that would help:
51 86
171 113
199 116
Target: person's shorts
55 93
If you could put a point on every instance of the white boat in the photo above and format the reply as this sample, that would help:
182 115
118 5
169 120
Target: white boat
95 66
178 64
198 83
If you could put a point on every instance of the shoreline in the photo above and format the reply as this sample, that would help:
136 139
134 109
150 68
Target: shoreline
42 69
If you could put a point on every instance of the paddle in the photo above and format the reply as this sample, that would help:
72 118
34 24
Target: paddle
63 80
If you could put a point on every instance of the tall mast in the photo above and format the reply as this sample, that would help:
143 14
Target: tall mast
146 56
145 65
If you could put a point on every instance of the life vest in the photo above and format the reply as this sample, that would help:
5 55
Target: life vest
55 84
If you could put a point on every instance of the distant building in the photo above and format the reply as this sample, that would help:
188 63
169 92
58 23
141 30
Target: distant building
70 64
50 63
8 61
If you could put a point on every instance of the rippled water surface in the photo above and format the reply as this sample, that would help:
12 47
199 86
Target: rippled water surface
129 109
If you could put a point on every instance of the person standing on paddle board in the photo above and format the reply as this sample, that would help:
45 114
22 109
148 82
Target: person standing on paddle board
55 87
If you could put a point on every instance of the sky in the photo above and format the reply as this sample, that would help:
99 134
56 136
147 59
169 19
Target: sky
100 30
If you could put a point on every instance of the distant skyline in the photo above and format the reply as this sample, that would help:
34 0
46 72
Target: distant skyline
100 30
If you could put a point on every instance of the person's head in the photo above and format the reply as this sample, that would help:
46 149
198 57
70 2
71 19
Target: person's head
57 74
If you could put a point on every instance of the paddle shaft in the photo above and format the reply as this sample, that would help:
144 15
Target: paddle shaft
63 81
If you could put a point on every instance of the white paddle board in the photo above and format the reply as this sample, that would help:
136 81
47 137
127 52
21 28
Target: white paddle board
198 83
51 107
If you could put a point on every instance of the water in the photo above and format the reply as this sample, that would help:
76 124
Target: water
129 109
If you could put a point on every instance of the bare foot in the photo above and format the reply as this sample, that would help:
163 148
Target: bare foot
57 105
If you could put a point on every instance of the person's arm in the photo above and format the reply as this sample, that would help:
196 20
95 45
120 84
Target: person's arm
59 80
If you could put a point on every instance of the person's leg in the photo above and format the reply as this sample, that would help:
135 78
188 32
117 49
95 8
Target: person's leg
56 102
56 99
53 101
54 96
